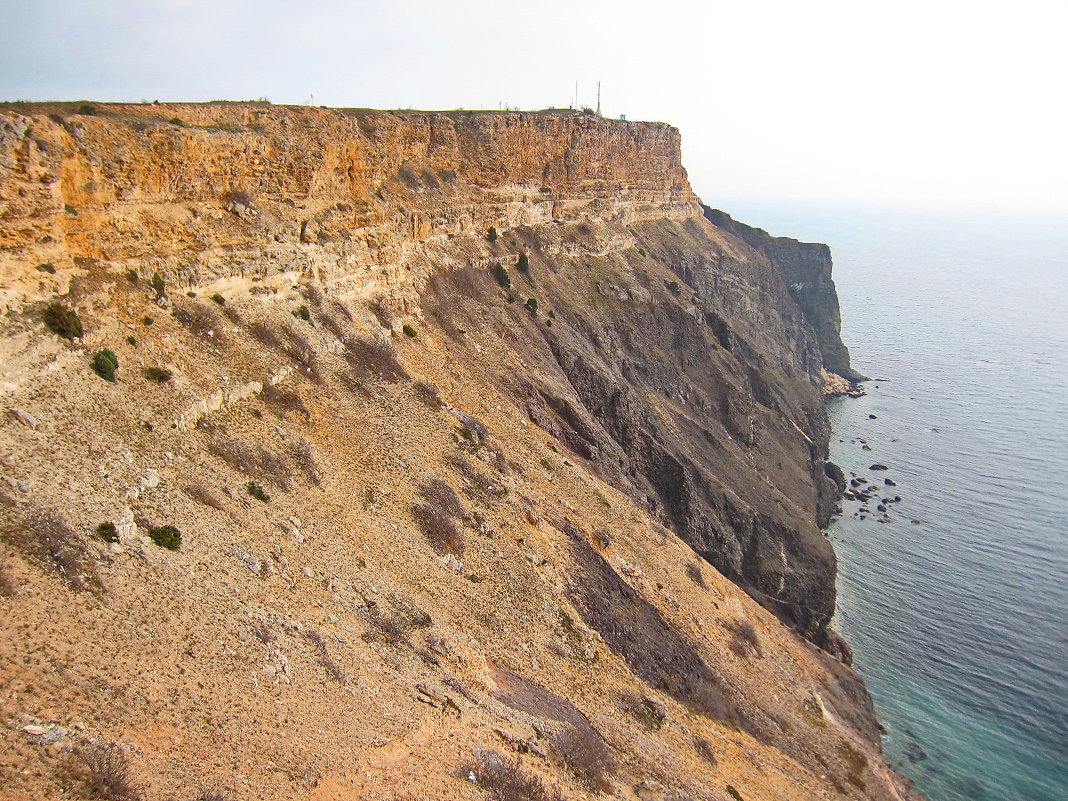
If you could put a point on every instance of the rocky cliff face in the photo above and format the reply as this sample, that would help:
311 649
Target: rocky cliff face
806 270
490 460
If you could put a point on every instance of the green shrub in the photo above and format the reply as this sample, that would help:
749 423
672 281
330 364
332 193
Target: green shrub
87 109
107 532
166 537
46 268
501 275
131 340
104 363
147 320
408 330
177 121
131 276
160 375
258 492
734 793
190 294
673 286
303 313
67 207
63 320
219 299
491 234
532 304
523 265
159 286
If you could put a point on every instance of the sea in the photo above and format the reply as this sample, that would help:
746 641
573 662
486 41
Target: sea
955 600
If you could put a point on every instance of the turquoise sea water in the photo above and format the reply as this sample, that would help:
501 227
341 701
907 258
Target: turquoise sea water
957 608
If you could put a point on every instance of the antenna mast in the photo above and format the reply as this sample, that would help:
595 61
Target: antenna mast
598 98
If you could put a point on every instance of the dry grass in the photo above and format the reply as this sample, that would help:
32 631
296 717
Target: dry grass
304 455
47 538
388 628
282 401
696 575
745 639
200 318
374 361
439 494
587 756
202 493
428 394
252 460
704 749
107 771
504 779
9 588
325 658
440 530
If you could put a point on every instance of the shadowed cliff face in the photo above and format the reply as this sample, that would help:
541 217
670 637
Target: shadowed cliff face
806 270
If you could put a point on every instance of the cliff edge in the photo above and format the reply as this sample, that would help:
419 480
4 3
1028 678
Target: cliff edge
373 449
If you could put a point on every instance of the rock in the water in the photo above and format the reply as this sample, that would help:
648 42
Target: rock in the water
878 466
889 482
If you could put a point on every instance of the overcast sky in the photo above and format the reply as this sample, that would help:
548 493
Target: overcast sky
915 103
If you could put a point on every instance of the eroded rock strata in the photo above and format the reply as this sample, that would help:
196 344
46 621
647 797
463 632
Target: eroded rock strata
441 490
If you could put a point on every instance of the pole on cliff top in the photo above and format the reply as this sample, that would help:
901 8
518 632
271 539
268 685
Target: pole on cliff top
598 98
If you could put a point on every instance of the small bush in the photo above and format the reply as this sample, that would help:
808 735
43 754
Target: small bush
734 793
523 265
673 286
166 537
282 400
441 496
587 756
303 313
159 375
46 268
219 299
131 340
252 460
504 779
440 530
258 492
71 210
501 274
744 638
104 363
159 286
131 276
63 320
704 749
201 493
87 110
428 394
388 628
107 771
177 121
532 304
326 659
491 234
408 330
9 588
107 532
696 575
148 320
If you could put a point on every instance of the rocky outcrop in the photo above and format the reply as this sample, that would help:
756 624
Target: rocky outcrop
806 270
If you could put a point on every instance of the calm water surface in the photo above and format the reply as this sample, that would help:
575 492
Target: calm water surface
957 607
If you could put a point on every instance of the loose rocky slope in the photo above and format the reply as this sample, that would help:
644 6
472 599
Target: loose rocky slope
439 492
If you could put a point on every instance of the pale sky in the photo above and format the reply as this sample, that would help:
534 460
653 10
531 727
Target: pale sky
960 104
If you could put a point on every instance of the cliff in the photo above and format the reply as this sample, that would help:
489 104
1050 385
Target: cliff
806 270
444 493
